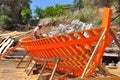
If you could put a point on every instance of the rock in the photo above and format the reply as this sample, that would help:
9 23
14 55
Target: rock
44 35
76 25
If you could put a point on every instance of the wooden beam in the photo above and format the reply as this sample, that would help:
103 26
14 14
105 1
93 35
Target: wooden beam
4 45
93 53
7 47
116 41
4 41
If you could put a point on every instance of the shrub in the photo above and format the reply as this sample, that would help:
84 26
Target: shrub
98 22
86 14
117 20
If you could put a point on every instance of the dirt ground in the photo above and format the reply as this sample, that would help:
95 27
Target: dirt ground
8 71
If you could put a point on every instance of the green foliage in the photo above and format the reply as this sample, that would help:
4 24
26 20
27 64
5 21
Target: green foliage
52 11
98 22
86 14
81 17
117 20
5 22
78 2
38 13
49 11
11 9
26 14
59 9
67 5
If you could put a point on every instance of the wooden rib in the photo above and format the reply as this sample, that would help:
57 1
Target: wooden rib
68 51
80 35
74 51
90 33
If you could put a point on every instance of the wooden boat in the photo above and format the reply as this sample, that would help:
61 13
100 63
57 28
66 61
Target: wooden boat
74 52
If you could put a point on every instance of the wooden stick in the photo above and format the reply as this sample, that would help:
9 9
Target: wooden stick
22 34
85 70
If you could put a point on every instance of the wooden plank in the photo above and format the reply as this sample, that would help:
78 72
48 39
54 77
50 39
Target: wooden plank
4 41
1 40
9 50
4 45
9 44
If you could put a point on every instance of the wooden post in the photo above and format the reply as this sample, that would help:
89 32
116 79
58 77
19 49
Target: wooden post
116 41
55 67
18 66
31 69
27 65
45 63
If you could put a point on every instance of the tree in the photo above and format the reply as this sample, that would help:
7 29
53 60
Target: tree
16 7
78 3
12 9
38 13
59 9
26 14
4 18
49 11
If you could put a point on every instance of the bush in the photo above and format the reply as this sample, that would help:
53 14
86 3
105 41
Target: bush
86 14
81 17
